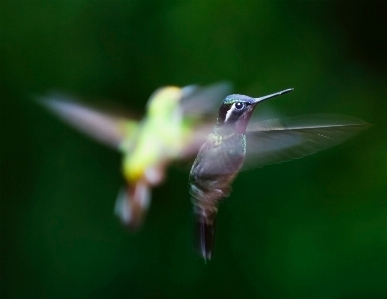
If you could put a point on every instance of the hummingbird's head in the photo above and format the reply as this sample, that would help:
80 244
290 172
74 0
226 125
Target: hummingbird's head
236 110
164 101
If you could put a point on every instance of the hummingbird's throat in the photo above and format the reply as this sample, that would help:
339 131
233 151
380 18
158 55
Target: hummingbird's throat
241 124
233 124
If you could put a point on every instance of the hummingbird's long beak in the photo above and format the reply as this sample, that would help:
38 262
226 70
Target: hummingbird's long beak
258 100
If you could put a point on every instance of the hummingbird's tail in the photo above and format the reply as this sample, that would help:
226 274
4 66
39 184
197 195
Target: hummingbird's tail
132 204
205 231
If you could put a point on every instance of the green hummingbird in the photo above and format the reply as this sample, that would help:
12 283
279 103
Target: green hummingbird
173 129
233 145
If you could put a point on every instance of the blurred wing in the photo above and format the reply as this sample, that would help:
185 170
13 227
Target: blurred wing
275 141
108 129
199 101
197 104
197 139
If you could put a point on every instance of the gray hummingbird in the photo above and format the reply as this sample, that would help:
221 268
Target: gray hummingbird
234 146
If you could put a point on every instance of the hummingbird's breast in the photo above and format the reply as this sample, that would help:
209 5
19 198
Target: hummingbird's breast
216 166
157 142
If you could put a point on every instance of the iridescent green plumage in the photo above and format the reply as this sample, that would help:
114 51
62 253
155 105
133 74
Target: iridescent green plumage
173 129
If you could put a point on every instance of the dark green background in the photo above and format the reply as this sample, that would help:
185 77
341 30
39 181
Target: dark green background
310 228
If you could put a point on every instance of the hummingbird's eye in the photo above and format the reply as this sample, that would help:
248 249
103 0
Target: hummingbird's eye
239 105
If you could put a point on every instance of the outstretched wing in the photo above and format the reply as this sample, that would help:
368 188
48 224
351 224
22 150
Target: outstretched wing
275 141
199 101
109 129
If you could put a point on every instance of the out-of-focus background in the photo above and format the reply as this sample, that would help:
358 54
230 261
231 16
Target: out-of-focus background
310 228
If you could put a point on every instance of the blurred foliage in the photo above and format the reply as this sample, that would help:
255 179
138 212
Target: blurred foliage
310 228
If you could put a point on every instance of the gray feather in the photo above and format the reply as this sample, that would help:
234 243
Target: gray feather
106 128
275 141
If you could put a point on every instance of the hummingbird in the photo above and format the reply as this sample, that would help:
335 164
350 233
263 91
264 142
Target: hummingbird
234 145
173 129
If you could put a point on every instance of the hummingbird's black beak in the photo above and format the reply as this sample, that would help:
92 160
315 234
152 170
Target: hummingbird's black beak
261 99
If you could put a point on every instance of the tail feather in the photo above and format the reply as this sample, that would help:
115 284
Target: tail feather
205 238
205 214
132 205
